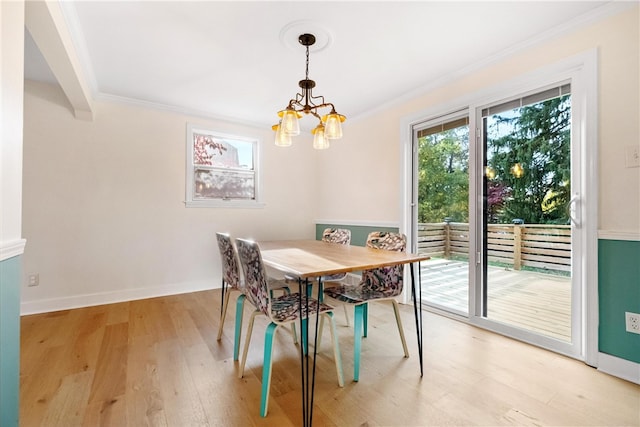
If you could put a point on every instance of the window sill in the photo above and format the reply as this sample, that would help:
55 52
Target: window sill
238 204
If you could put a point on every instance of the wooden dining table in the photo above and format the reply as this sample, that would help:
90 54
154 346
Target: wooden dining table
309 260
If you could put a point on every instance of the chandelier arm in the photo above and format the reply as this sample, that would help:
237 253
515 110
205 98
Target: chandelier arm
297 100
326 105
309 103
317 97
301 107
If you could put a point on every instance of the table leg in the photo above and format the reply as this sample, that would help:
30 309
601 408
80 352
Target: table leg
302 352
417 310
308 378
315 353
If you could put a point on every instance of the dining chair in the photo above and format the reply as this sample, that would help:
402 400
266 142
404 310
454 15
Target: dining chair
379 284
281 310
340 236
232 281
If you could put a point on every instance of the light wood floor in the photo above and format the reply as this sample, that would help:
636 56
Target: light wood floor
156 362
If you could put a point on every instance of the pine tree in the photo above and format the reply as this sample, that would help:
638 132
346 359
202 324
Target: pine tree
538 138
444 176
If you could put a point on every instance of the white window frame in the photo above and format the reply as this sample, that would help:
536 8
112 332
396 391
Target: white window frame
192 197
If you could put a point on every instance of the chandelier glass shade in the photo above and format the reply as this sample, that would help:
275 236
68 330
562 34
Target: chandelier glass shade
282 140
329 126
320 139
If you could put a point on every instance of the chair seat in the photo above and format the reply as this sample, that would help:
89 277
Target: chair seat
275 283
286 308
357 295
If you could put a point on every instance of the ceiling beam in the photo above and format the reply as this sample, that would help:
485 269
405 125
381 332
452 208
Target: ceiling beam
45 22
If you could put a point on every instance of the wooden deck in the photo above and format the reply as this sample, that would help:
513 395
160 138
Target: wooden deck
534 301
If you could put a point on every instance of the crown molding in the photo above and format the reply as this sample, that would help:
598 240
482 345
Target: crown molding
572 25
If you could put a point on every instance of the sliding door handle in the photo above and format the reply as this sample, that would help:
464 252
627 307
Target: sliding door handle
574 210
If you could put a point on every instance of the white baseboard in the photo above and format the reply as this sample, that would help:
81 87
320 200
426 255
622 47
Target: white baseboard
618 367
100 298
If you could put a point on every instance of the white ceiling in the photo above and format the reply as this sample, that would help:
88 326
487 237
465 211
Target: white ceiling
236 59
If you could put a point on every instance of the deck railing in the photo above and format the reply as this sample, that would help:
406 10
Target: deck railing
544 246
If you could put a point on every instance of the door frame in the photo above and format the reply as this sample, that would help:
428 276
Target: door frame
581 71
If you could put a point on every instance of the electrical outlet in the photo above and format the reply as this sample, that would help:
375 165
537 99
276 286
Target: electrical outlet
632 322
33 280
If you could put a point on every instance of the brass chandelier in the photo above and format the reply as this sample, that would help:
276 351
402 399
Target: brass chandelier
330 125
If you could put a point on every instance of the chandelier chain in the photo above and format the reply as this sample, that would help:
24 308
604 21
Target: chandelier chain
307 67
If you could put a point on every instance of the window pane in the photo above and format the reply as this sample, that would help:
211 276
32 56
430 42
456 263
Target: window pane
220 152
218 184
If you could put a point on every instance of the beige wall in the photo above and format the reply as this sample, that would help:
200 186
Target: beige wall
103 203
367 164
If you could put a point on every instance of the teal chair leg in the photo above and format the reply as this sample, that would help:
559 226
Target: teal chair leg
305 338
303 332
266 368
238 331
365 320
358 318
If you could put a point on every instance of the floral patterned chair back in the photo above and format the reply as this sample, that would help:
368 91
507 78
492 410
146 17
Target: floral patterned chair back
340 236
388 280
255 276
337 235
229 258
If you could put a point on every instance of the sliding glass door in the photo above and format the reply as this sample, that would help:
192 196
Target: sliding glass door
442 148
526 224
496 203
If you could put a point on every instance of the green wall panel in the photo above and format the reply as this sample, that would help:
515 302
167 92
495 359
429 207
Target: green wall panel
359 233
619 292
9 341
